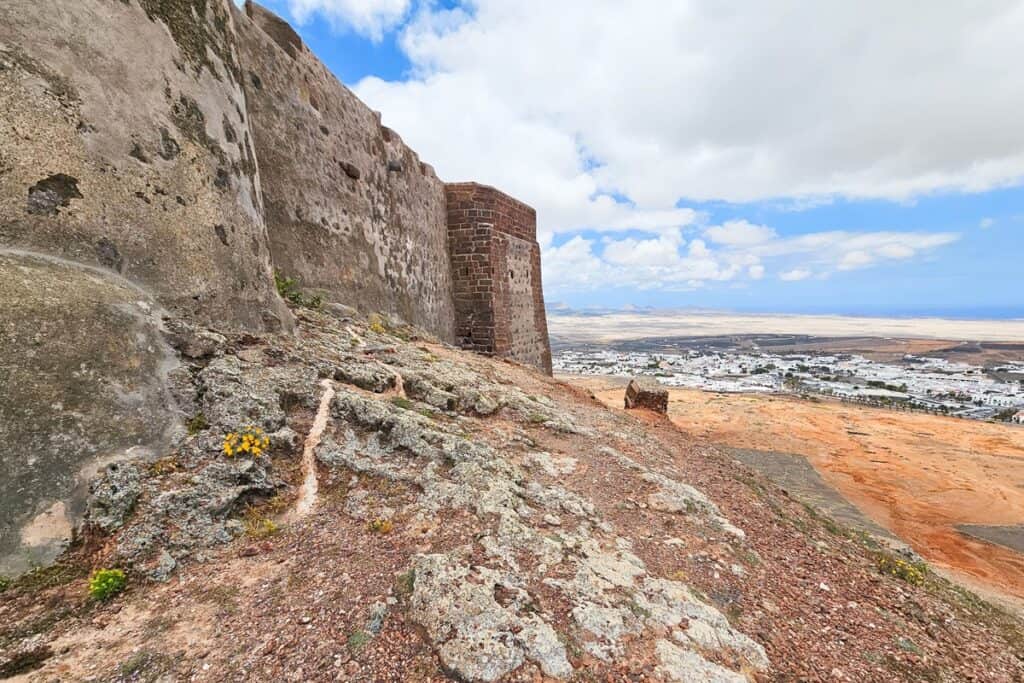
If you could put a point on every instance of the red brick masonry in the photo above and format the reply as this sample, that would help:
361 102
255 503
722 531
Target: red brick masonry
499 299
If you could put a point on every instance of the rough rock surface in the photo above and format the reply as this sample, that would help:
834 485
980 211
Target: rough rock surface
646 395
351 211
83 371
126 145
474 521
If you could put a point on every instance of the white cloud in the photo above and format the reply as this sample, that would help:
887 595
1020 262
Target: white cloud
845 250
739 233
986 223
856 259
734 101
668 261
660 251
609 116
795 275
371 18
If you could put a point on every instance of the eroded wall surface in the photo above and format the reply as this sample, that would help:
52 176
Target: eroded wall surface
499 297
350 209
126 145
83 381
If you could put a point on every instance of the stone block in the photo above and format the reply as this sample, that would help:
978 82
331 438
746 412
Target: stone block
648 395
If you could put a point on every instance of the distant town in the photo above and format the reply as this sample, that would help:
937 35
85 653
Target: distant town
935 385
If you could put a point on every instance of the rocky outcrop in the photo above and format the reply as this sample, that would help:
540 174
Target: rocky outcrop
475 596
472 520
127 145
132 199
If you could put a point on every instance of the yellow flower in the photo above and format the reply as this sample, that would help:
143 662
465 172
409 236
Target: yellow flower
250 439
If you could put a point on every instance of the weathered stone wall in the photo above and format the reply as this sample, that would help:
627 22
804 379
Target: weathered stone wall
351 210
126 145
83 381
499 298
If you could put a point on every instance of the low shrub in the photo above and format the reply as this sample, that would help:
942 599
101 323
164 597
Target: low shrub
377 324
382 526
406 583
258 526
106 583
912 572
166 465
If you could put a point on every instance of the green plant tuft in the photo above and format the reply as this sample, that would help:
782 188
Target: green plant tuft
197 424
358 640
402 402
406 583
288 288
257 526
106 583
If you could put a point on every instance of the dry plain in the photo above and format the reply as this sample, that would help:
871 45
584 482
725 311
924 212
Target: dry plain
917 476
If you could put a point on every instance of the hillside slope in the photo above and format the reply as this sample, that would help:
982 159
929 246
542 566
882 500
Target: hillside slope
422 513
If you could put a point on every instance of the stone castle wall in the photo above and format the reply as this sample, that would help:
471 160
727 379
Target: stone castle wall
126 145
192 148
351 211
499 299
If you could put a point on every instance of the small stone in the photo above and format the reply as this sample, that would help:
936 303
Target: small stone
350 169
646 395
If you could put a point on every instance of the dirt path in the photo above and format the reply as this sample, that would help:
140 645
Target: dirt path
307 492
919 476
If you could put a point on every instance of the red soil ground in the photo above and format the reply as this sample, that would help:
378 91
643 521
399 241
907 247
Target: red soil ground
918 476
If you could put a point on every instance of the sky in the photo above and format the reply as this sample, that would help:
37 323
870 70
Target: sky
800 157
